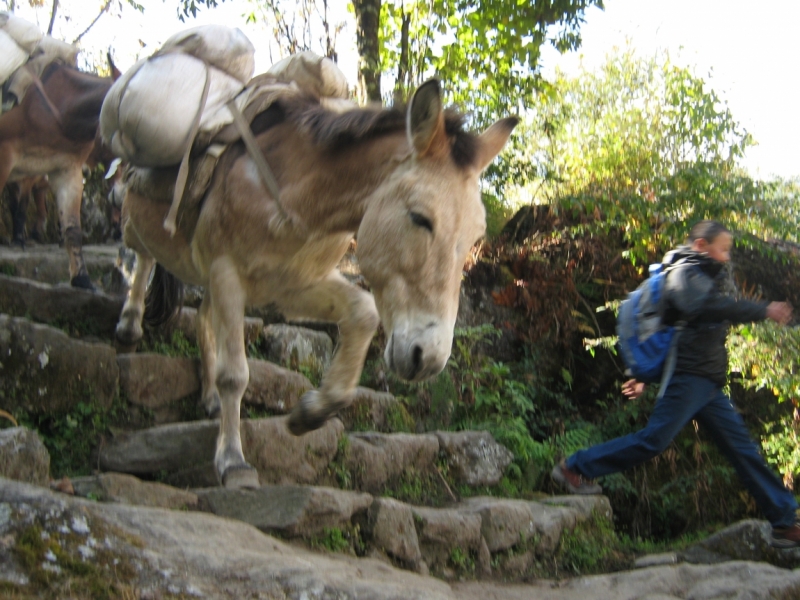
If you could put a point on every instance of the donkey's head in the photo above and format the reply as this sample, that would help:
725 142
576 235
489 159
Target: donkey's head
416 234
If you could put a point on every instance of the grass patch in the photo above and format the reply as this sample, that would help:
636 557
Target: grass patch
343 541
172 344
72 437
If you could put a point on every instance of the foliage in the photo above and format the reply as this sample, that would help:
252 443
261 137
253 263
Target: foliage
651 148
488 51
72 437
767 356
172 344
333 539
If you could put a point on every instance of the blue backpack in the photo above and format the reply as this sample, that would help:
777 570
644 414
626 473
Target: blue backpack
649 347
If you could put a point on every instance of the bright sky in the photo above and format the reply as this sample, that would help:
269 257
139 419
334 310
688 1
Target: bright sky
746 50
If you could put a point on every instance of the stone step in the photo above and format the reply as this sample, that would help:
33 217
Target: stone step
45 371
158 386
109 266
182 454
93 314
470 535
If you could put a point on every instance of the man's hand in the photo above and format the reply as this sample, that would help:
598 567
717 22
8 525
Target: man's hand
780 312
632 389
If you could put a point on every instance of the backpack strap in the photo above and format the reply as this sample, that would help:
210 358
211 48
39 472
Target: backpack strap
672 356
672 360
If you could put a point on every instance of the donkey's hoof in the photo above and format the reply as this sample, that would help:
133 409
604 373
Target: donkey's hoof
242 477
302 421
124 343
83 282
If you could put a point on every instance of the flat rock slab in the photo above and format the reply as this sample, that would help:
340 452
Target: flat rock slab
390 528
294 511
441 531
370 410
587 506
737 580
505 523
23 456
186 323
294 347
127 489
158 449
60 304
282 458
745 540
474 457
376 458
201 555
273 387
155 382
185 451
49 263
44 370
192 554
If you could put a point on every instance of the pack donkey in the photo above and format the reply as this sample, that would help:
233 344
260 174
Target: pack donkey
406 185
52 132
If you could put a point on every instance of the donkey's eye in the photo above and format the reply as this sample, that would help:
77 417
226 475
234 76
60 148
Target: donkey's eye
421 221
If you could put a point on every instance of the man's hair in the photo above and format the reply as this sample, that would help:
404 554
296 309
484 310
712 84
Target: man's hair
706 230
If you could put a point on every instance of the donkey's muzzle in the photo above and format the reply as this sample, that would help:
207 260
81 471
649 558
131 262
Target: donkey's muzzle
414 360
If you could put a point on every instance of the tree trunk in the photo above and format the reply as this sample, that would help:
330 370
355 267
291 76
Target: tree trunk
401 84
367 24
52 17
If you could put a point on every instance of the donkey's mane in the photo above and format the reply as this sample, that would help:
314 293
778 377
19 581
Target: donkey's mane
338 130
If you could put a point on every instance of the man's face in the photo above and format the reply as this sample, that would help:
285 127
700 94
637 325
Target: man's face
719 249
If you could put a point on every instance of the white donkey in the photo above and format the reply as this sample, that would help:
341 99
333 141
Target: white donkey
406 185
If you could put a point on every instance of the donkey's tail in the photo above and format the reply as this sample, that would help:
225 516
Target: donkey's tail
164 298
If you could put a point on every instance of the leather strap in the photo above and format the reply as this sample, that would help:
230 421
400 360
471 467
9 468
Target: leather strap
255 153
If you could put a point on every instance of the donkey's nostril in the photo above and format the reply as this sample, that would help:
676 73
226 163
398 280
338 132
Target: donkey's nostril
416 357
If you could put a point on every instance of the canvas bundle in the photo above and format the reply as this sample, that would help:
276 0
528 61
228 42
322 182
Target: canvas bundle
152 113
314 74
18 40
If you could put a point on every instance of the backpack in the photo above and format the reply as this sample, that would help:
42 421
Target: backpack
648 346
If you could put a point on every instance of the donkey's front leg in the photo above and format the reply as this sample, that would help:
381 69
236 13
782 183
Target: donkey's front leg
231 373
68 188
337 300
129 328
208 358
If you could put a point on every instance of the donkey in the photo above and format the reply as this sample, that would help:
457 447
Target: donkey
52 132
406 185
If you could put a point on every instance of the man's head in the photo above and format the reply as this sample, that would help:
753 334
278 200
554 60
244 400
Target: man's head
712 239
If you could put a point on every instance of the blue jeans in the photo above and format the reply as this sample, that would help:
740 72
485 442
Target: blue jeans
691 397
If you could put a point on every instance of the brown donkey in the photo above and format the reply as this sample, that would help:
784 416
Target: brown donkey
52 132
407 186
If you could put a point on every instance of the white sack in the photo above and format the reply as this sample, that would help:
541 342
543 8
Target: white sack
313 74
49 49
226 48
24 33
12 57
150 124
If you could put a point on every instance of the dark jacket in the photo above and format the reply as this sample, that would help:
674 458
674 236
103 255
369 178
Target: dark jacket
694 295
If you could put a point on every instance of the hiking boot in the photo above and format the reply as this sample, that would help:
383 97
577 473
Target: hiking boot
786 537
573 482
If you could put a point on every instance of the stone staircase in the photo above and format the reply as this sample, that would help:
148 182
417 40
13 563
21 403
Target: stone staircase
372 492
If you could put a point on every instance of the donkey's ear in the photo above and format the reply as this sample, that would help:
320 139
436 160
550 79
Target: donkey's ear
491 141
425 120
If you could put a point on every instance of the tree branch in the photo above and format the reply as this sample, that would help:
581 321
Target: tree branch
96 19
52 17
